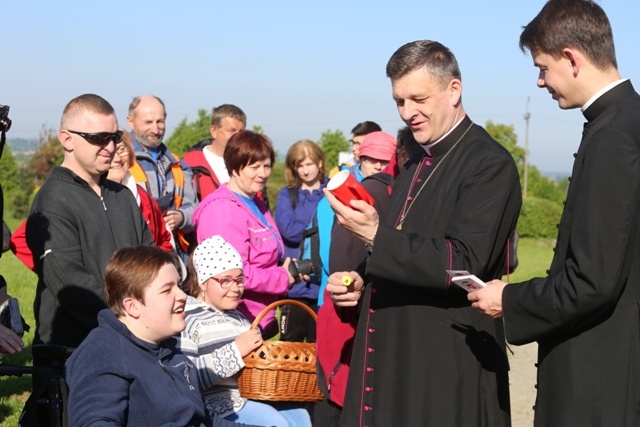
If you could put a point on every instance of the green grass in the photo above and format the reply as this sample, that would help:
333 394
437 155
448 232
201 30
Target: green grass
21 284
534 258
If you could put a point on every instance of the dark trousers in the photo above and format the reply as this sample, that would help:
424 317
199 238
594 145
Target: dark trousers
296 325
326 414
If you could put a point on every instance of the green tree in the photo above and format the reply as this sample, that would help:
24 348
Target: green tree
538 218
544 187
8 172
17 184
563 183
538 185
275 184
188 133
331 144
48 153
507 137
22 198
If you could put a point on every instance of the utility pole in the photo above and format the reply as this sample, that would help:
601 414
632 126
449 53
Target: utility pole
527 115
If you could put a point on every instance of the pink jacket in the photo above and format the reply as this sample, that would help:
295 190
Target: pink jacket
224 213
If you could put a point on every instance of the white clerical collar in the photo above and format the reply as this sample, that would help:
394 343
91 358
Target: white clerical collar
427 148
601 92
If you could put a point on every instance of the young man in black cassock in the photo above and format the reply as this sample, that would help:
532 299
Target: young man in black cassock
585 313
422 355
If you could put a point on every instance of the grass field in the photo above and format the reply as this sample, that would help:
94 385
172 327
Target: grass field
534 257
14 391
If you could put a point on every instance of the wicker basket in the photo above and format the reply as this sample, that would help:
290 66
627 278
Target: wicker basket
281 370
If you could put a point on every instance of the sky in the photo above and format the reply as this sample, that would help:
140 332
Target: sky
297 69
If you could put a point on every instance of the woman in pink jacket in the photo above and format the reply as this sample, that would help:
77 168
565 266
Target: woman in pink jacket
234 212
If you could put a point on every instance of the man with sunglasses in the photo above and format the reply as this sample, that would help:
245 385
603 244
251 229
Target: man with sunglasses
76 222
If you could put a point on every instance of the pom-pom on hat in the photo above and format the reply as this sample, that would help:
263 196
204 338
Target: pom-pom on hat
378 145
214 256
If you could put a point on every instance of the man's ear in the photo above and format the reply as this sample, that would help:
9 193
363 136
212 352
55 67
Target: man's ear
212 131
130 122
455 89
131 307
575 58
66 139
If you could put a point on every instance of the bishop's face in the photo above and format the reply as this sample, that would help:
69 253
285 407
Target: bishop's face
427 106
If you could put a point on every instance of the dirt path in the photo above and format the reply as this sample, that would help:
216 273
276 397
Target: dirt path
522 378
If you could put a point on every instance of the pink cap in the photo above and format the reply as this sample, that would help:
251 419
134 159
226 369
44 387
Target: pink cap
378 145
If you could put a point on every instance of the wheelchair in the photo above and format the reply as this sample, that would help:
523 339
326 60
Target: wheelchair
47 405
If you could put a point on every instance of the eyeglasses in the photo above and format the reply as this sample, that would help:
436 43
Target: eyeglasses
372 161
356 143
226 282
100 138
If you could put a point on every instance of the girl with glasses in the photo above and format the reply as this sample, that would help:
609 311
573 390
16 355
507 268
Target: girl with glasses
217 337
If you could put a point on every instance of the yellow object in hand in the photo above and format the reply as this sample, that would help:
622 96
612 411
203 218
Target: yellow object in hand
346 280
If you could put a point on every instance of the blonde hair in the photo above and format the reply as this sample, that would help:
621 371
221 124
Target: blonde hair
297 153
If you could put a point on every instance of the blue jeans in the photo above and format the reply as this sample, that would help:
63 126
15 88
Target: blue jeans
278 414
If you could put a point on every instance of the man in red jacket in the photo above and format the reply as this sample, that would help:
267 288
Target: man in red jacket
205 158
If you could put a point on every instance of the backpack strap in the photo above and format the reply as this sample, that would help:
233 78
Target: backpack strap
293 196
178 181
199 172
313 235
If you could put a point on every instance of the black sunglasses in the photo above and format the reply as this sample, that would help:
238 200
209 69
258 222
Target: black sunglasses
100 138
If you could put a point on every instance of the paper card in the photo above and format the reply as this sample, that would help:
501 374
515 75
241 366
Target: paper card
465 280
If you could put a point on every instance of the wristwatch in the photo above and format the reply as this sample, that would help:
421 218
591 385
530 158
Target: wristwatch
369 246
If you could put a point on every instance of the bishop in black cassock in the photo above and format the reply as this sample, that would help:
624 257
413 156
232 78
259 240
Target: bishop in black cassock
422 355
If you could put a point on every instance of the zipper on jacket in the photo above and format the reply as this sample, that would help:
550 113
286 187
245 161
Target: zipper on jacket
165 370
333 374
103 205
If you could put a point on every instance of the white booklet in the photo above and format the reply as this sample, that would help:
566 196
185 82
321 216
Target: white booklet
466 280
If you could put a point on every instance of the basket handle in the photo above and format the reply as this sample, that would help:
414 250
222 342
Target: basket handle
275 304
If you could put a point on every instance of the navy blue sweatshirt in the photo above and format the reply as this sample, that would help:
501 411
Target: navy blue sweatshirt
115 378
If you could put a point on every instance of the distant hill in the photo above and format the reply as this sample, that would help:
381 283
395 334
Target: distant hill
22 145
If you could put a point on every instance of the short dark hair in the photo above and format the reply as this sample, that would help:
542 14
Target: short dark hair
227 110
246 147
406 141
87 103
365 128
130 271
579 24
438 60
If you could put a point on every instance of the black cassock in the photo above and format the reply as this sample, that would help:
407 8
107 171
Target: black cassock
422 355
586 314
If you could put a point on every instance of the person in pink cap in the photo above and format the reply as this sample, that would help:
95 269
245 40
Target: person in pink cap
376 152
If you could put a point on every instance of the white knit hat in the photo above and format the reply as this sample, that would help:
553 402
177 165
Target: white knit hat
214 256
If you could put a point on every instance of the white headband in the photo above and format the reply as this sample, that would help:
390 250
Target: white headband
214 256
